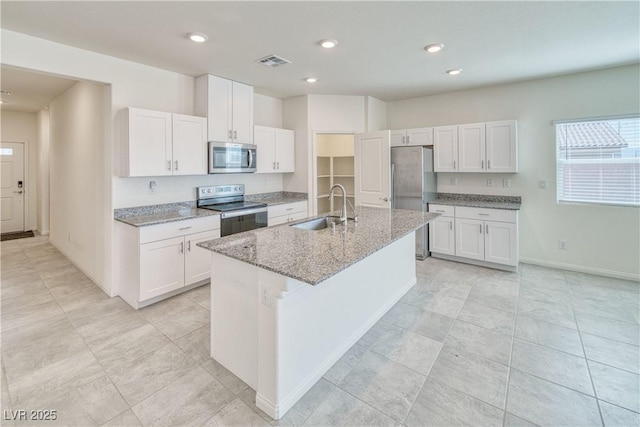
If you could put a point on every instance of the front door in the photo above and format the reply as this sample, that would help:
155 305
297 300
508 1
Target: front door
12 183
372 169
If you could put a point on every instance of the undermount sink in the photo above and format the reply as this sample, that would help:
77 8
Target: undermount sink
317 223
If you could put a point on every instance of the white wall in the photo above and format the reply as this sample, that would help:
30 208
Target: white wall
42 172
21 127
267 111
376 114
76 119
601 239
295 117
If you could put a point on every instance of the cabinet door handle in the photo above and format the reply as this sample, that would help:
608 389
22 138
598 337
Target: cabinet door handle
488 164
176 162
450 225
408 139
403 139
182 247
168 165
189 245
480 228
486 228
454 165
230 137
235 134
278 163
274 165
482 164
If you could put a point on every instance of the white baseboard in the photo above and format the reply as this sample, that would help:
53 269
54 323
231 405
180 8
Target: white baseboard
89 275
582 269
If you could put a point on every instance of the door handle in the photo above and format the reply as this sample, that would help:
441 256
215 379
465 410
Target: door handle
17 192
385 199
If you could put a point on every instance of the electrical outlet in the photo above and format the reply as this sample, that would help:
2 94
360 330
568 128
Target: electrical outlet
562 244
265 294
454 181
489 182
506 183
153 186
542 184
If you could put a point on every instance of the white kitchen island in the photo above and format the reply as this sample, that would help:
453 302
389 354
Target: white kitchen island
287 303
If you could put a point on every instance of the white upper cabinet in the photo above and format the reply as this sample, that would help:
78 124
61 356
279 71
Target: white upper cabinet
228 106
502 146
445 147
412 137
471 147
189 145
276 151
477 147
156 143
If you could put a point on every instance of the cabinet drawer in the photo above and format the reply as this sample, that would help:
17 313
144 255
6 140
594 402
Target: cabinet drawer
287 209
178 228
442 209
503 215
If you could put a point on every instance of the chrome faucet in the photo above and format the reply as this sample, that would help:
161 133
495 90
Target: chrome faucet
343 213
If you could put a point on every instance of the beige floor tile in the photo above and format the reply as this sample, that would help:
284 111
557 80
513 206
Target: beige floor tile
237 413
125 419
191 400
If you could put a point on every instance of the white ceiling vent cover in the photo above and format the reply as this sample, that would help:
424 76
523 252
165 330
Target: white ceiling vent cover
273 61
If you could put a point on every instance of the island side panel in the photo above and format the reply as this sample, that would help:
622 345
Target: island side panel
234 317
306 329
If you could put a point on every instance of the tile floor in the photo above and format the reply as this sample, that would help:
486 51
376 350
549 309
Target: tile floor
466 346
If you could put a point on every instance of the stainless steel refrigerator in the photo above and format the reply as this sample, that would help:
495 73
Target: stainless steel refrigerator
413 186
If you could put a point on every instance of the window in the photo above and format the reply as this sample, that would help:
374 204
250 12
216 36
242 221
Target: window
598 161
6 151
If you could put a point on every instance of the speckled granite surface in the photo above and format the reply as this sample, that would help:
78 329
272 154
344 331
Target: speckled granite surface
314 256
276 198
141 216
479 201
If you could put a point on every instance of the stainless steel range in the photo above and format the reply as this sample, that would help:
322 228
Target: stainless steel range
236 215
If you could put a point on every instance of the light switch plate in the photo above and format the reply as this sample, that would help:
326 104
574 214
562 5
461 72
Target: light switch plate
542 184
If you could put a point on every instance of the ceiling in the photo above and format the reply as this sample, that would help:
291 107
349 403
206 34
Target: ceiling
381 44
30 91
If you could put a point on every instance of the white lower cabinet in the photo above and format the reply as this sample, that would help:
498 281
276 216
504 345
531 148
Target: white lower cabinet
488 236
441 230
157 261
287 212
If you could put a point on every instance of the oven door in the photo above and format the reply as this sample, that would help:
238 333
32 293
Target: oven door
242 220
227 157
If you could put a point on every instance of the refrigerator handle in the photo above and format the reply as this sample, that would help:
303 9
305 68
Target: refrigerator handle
393 188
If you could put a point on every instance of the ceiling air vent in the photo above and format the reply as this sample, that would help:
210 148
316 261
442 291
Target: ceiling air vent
273 61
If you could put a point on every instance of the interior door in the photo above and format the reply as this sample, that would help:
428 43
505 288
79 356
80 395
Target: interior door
373 169
12 183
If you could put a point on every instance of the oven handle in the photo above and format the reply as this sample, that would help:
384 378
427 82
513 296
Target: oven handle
242 212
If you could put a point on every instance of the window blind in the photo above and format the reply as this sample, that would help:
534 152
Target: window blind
598 161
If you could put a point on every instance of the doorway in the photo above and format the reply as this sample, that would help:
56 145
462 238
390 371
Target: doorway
12 167
334 164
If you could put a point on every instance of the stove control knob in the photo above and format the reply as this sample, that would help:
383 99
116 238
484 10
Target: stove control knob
208 190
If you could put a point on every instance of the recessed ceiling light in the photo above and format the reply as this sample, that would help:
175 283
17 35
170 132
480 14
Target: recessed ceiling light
198 37
454 72
328 43
311 79
433 48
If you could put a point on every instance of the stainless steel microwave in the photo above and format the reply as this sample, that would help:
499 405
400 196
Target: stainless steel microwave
228 157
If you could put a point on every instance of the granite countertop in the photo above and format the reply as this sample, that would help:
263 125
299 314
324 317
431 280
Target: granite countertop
314 256
479 201
276 198
142 216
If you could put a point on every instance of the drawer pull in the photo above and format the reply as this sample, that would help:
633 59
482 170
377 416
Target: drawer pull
289 209
440 210
483 214
184 228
